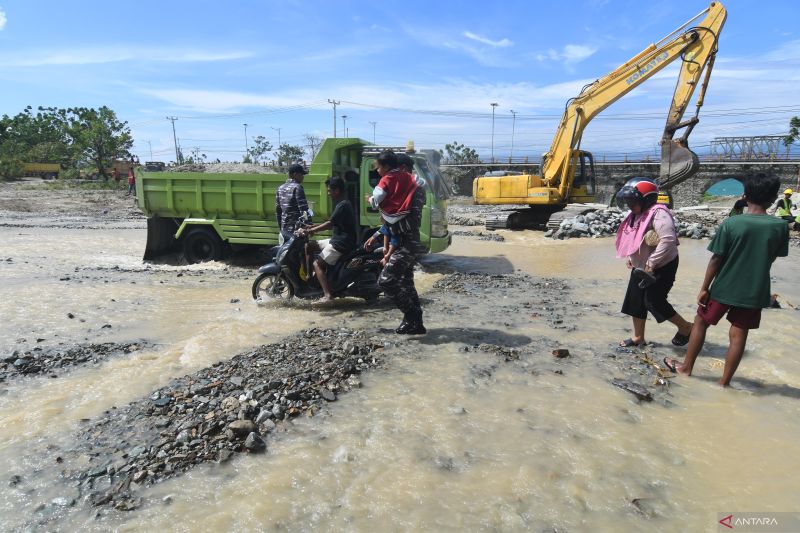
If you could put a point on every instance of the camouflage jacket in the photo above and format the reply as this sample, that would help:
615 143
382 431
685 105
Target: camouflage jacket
290 202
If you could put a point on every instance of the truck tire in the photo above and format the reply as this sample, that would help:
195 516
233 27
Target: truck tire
272 286
202 244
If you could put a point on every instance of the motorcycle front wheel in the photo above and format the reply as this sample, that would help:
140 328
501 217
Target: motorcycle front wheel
271 286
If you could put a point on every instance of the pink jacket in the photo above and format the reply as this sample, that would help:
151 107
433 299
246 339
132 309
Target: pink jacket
630 238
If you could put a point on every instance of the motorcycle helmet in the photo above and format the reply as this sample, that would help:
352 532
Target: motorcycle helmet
642 191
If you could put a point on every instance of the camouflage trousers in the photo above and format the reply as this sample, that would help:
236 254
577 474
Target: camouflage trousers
397 282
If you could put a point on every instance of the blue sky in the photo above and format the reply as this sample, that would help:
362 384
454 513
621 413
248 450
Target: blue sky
420 70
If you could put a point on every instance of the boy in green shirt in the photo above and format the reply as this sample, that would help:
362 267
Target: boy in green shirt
744 249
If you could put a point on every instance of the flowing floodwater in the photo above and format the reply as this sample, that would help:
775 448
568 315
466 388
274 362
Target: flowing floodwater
439 439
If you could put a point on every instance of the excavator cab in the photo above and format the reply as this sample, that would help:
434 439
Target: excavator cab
584 182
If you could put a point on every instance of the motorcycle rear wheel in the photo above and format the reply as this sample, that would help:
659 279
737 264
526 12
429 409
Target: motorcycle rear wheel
271 286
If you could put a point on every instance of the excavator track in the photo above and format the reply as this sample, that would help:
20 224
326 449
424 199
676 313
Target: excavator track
525 218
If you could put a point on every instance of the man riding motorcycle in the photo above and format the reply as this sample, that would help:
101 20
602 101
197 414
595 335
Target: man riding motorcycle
344 239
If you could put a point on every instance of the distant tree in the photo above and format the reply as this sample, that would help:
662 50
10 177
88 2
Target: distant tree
456 154
257 152
99 138
794 131
288 153
314 142
460 179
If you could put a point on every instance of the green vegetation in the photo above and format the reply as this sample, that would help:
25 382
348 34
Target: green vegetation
794 131
76 138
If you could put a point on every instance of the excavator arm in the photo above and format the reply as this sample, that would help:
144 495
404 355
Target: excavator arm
696 46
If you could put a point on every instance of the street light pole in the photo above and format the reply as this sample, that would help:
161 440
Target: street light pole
151 149
494 105
246 146
373 131
513 123
344 125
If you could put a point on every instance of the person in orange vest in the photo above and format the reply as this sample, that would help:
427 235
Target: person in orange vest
131 182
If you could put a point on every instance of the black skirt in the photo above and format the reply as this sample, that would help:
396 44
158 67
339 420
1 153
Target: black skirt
654 298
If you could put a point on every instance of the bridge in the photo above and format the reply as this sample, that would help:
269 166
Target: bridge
611 175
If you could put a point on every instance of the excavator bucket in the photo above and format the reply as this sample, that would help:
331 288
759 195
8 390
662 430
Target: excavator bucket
678 163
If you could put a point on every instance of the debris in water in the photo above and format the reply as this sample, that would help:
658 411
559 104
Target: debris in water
634 388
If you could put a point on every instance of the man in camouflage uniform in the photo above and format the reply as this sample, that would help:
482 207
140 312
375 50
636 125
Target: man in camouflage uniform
290 201
397 277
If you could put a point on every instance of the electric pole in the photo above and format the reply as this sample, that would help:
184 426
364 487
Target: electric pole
373 131
279 144
513 123
246 146
151 149
175 140
335 103
344 125
494 105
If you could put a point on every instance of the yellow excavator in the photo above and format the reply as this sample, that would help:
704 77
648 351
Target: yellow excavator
567 172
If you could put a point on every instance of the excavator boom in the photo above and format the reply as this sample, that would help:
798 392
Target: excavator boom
695 44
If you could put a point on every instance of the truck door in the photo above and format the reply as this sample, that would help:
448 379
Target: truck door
369 216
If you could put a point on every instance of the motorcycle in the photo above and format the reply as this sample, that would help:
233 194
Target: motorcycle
355 274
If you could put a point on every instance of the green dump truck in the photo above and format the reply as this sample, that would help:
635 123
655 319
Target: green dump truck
204 214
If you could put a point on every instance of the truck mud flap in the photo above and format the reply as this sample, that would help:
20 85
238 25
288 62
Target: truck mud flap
160 237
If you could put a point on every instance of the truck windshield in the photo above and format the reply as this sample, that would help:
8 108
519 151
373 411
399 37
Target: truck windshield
432 177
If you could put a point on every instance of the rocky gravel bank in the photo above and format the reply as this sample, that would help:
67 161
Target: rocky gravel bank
215 413
55 361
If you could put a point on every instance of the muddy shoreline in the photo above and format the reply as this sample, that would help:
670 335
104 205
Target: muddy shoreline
228 411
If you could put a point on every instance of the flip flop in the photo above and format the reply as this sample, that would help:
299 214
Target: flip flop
680 340
628 343
670 364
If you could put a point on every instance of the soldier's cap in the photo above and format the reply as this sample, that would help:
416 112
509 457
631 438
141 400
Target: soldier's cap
297 168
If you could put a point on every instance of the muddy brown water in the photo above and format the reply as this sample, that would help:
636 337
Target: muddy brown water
440 439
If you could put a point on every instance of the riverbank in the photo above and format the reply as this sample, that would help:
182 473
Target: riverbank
517 410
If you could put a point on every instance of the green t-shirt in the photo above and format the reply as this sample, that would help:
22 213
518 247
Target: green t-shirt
748 245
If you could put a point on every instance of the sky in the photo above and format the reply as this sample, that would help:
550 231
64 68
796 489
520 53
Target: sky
411 70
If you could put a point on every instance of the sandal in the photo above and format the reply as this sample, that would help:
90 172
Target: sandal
680 339
670 364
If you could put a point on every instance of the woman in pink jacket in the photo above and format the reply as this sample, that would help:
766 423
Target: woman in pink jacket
647 239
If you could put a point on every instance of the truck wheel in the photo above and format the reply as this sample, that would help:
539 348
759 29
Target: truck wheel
202 244
267 286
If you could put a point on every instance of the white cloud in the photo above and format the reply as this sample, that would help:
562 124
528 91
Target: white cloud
570 54
3 19
90 56
502 43
788 51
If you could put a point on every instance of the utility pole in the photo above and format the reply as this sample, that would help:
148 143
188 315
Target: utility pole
494 105
513 123
373 131
175 140
151 149
279 144
344 125
246 146
335 103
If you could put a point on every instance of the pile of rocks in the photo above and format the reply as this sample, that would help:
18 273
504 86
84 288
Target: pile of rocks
594 224
691 224
54 360
216 412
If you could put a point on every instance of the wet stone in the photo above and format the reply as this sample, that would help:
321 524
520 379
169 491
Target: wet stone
255 443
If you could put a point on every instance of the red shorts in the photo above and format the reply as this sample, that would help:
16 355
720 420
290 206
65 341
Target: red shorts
741 317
